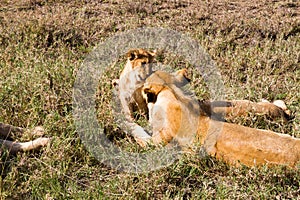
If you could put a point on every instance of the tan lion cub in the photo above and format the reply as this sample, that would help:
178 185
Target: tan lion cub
132 78
177 117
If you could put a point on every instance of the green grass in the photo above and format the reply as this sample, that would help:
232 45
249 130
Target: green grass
42 45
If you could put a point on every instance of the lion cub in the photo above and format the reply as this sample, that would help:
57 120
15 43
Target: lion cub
137 69
177 117
132 78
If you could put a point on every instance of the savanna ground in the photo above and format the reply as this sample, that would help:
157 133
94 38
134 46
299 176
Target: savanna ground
255 44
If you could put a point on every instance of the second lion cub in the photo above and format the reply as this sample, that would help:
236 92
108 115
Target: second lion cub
176 117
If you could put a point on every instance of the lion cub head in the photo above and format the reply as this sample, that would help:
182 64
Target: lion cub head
139 63
161 80
139 57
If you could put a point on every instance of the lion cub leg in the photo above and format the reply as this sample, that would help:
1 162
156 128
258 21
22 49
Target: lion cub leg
238 144
14 147
235 108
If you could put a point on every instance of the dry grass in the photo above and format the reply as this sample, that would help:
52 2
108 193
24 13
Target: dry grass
255 44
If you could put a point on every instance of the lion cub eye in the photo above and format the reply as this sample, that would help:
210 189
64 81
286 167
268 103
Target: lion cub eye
144 62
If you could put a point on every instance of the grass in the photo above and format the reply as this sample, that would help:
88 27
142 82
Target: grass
43 43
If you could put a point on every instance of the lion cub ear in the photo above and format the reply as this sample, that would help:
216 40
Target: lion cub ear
149 95
182 77
153 53
182 73
132 54
151 91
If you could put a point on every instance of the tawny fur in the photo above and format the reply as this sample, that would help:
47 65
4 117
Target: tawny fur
235 108
177 117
